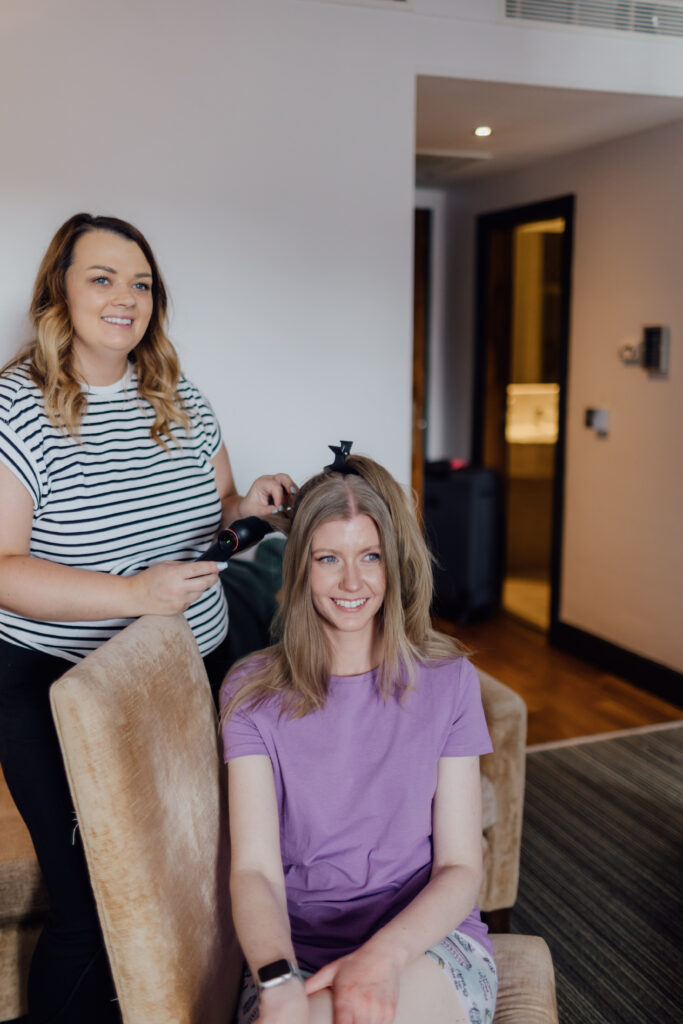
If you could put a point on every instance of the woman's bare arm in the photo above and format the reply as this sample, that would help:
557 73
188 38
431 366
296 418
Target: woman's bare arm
257 884
44 590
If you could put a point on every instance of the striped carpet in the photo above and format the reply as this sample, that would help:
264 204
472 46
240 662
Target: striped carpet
601 875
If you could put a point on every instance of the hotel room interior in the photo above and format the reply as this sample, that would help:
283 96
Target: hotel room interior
348 257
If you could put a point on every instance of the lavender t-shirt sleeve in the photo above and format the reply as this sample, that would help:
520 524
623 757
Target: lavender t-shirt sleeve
469 733
241 735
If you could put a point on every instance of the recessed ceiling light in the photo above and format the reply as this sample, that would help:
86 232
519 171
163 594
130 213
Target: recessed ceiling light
483 131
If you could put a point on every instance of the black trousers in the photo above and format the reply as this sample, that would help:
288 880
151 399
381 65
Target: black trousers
70 981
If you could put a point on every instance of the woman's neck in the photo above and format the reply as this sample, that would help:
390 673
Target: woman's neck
101 372
353 654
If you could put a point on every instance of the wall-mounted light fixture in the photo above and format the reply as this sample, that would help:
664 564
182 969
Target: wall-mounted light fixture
483 131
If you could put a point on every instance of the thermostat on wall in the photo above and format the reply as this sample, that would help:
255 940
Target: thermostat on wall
656 350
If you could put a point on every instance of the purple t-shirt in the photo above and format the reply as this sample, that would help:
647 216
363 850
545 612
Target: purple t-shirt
355 783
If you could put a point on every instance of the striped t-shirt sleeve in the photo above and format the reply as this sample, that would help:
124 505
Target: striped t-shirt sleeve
21 439
205 423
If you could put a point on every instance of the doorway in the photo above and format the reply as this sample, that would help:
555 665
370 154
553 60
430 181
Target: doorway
523 286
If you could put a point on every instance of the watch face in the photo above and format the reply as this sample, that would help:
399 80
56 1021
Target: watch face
278 969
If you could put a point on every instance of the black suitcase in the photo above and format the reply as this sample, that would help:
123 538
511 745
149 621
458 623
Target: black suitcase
463 529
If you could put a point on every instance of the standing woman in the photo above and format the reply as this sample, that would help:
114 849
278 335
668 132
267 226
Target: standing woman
113 480
355 804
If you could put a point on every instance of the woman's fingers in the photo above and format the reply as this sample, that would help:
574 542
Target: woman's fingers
362 1006
360 994
202 576
287 484
170 587
321 979
197 570
268 494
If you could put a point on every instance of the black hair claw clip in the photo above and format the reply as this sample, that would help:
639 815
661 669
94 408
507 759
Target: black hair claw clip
340 451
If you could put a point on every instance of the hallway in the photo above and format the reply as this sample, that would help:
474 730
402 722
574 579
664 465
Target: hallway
565 697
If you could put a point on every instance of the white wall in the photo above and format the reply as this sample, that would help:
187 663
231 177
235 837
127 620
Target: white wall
266 148
273 176
622 565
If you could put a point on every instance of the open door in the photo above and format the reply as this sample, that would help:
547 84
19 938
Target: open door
524 262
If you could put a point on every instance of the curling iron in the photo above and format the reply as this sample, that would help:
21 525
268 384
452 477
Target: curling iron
239 536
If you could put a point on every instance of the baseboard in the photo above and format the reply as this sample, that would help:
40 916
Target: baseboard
649 675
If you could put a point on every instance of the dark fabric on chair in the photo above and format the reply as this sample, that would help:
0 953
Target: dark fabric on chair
251 588
69 975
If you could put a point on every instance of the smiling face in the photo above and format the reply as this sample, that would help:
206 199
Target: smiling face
347 578
109 294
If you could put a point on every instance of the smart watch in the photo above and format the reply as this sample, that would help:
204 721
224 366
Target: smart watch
277 973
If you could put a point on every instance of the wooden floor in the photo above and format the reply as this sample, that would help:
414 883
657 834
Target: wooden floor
565 696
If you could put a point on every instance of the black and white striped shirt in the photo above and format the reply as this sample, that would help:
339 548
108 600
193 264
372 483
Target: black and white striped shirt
113 501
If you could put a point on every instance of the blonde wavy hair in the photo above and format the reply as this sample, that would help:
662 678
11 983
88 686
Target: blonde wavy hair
49 354
296 669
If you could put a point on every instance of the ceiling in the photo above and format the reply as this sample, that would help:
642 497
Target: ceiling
530 123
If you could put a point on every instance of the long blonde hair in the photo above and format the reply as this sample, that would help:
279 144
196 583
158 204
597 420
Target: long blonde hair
49 354
297 668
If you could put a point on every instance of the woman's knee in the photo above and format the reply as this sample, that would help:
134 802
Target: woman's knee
427 993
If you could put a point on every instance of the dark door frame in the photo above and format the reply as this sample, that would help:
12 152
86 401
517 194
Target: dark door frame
510 218
422 221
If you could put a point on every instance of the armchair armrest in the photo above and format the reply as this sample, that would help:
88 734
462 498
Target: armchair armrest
507 717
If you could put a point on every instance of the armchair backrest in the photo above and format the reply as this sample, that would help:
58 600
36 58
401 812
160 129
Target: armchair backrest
137 727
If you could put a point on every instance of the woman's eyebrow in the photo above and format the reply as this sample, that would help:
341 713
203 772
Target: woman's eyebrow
111 270
334 551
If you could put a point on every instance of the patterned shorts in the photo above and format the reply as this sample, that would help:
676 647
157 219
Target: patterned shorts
465 960
472 971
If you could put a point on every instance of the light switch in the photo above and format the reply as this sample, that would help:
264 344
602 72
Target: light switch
598 420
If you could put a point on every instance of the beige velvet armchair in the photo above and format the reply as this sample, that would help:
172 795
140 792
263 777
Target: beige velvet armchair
138 733
502 790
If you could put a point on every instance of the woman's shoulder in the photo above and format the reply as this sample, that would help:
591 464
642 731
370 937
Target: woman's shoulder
200 411
250 667
16 377
18 392
190 393
246 673
456 667
456 676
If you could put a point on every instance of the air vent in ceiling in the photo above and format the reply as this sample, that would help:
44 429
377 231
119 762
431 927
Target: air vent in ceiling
370 3
621 15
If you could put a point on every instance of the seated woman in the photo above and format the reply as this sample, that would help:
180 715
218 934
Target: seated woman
355 808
